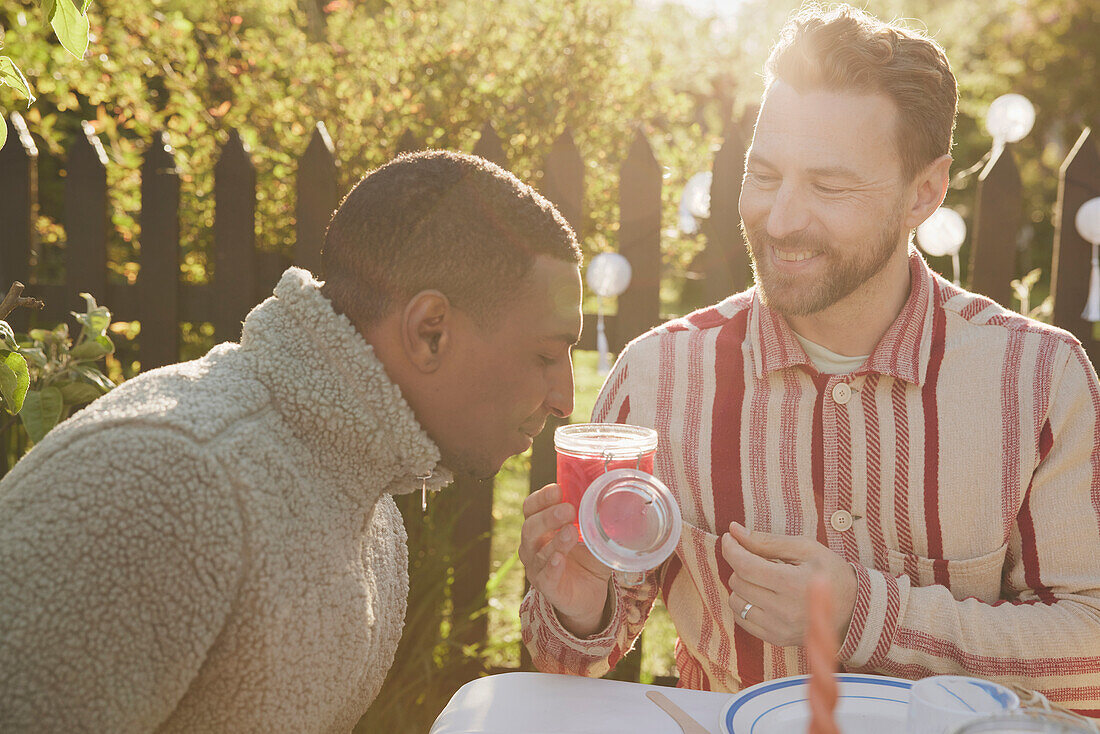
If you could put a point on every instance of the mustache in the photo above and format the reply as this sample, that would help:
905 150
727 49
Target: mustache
758 238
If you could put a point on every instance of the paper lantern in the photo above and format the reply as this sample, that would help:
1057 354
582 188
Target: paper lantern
608 276
695 202
1087 223
941 234
1010 118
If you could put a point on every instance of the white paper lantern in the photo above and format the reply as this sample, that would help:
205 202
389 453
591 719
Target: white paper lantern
1087 223
695 202
608 274
696 196
942 233
1010 118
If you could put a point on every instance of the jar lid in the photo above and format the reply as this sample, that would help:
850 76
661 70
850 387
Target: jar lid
629 520
609 440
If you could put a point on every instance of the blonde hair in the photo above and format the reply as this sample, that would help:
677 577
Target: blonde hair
848 50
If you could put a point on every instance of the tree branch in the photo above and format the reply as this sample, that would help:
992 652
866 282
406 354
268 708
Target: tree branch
13 301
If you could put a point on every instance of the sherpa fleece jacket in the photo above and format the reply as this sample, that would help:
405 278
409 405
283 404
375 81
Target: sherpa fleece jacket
212 546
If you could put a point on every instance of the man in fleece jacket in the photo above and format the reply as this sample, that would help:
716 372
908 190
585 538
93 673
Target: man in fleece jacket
213 546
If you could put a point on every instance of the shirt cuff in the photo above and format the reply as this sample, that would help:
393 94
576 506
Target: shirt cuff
874 619
553 646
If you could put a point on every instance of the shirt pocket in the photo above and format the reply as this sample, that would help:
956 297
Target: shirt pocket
978 577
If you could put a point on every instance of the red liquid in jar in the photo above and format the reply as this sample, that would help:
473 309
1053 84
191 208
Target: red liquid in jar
575 473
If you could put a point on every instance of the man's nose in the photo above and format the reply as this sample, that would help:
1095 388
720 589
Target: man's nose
559 398
789 213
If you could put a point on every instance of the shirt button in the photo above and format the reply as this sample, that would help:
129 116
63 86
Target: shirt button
841 520
842 393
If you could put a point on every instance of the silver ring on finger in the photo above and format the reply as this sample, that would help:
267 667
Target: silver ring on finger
744 613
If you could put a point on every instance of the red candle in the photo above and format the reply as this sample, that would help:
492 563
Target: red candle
821 647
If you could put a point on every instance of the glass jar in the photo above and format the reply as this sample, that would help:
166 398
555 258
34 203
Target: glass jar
626 517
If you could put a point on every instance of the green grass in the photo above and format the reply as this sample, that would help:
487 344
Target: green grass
510 490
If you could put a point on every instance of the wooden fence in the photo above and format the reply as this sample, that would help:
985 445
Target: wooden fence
243 276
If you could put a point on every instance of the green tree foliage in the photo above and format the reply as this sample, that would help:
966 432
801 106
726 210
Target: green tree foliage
70 24
371 71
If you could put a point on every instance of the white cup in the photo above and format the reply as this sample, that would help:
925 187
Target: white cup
1027 722
942 703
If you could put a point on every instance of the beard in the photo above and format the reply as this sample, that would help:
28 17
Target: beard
797 294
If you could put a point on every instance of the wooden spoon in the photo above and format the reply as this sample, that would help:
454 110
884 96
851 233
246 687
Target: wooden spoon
687 724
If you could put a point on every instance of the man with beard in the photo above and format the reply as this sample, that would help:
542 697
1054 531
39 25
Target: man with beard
853 415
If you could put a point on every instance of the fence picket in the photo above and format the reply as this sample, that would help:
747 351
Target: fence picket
562 184
317 199
159 281
996 222
1078 181
725 262
408 143
640 239
490 148
474 497
85 224
563 179
18 209
235 277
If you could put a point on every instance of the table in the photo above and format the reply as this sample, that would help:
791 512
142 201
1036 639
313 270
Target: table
544 703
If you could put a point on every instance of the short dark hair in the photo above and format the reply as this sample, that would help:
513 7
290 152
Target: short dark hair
438 220
849 50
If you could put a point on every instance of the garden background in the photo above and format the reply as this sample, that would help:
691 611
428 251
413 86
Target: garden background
386 75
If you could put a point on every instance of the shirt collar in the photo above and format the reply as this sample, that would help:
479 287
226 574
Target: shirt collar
902 352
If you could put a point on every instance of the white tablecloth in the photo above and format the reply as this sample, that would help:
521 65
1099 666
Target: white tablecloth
541 703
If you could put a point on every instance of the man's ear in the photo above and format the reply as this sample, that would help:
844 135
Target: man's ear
426 325
931 187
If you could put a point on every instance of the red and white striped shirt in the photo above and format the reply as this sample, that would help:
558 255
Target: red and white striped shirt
958 470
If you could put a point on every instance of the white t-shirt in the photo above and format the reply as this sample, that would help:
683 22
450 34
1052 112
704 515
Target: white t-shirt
827 362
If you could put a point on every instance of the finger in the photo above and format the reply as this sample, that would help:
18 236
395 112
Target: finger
560 544
754 619
538 528
790 549
549 576
540 499
761 596
751 567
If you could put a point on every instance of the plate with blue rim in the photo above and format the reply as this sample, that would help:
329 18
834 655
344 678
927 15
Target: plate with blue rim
866 704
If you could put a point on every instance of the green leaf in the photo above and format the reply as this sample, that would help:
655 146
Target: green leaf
34 356
41 410
7 336
14 380
77 393
97 318
70 25
12 77
92 349
93 377
84 6
3 133
39 335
